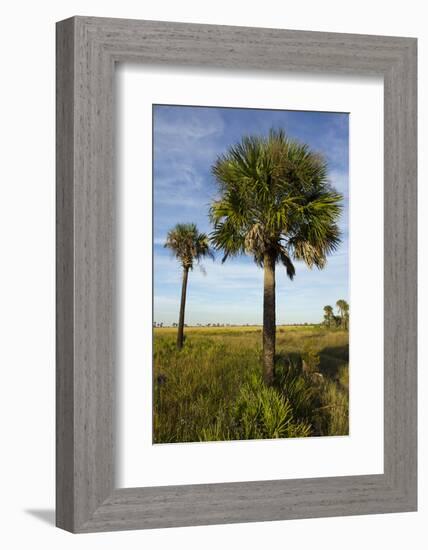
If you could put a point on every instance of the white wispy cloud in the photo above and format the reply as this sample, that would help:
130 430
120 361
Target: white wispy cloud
188 123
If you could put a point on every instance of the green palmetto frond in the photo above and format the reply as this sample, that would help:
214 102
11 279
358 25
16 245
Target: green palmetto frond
275 198
187 244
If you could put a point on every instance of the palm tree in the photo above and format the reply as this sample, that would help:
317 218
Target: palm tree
346 317
328 315
276 205
343 307
188 246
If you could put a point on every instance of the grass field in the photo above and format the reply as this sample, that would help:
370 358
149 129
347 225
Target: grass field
212 389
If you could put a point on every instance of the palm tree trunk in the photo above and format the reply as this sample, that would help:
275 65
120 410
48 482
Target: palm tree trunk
269 319
180 333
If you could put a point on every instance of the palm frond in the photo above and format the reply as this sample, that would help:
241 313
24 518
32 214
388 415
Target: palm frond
286 261
275 197
188 245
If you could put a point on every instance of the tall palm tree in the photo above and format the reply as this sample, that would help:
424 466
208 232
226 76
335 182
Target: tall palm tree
343 307
275 204
328 315
188 246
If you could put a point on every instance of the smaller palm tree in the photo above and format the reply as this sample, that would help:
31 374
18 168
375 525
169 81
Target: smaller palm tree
189 247
343 307
328 316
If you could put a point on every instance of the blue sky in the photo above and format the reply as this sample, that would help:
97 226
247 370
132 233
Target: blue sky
187 140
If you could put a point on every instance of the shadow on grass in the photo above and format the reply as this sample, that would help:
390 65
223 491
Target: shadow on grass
332 359
288 359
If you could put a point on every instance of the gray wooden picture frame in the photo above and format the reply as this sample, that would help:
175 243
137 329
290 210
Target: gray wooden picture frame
87 50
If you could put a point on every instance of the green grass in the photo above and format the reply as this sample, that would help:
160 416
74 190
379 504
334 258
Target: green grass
212 389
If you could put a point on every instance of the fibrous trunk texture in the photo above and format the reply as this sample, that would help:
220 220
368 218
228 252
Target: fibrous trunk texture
269 319
180 334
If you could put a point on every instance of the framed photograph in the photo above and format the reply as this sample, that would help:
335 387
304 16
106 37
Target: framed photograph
236 274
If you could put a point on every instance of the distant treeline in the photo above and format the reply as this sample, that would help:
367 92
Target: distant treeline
219 325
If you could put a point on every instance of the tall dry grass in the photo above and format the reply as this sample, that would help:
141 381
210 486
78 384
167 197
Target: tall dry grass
212 389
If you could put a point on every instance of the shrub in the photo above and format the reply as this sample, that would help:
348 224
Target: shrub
262 412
